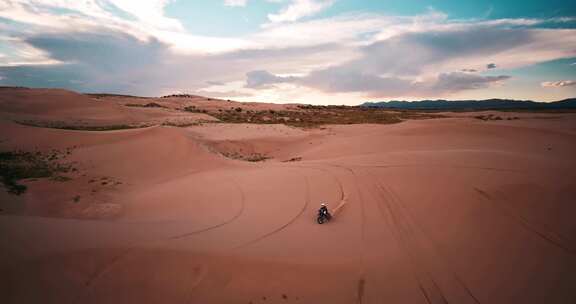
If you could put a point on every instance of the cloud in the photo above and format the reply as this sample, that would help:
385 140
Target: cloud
339 80
491 66
86 63
116 46
95 49
116 62
150 12
409 63
235 2
558 84
444 49
298 9
458 81
344 30
224 94
114 14
263 79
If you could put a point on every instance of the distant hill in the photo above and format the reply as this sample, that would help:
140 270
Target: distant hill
487 104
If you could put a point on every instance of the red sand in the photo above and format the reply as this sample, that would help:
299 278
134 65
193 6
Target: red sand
454 210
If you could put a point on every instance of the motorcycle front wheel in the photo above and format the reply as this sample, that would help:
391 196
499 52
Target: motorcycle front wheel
320 220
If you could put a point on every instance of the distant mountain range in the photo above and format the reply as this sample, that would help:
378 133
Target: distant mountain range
487 104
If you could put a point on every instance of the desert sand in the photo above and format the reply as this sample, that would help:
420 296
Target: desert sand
447 210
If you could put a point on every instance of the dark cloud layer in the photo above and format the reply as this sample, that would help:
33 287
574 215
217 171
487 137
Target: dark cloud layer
107 61
120 63
115 62
390 67
458 81
262 79
336 80
410 53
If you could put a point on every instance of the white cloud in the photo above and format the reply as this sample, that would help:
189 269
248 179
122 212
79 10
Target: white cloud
559 84
146 17
235 2
343 29
22 53
150 12
299 9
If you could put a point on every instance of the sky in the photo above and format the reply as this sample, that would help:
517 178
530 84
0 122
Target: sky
285 51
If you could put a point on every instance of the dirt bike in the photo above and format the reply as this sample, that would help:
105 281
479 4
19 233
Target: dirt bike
323 217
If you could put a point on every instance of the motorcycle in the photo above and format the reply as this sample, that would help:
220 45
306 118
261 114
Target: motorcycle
323 217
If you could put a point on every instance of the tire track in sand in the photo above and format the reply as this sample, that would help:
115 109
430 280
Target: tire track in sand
403 233
361 284
436 248
540 230
343 195
292 220
107 267
446 166
264 236
405 212
230 220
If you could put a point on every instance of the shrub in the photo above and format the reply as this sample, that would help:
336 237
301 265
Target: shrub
148 105
18 165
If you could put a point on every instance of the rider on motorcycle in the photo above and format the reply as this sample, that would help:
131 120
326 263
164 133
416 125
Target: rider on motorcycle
324 210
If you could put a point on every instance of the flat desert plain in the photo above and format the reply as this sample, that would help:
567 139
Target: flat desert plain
160 205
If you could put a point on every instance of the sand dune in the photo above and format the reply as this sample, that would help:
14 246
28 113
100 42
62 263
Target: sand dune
451 210
62 107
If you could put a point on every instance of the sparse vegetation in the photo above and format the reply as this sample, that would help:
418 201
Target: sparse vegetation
493 117
256 157
194 109
179 96
13 88
314 116
181 124
68 126
293 159
147 105
103 95
252 157
18 165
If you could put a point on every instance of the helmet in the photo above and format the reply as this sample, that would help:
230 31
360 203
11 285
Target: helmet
323 204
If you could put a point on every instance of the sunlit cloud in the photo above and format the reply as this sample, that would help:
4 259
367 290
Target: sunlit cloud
299 9
559 84
235 2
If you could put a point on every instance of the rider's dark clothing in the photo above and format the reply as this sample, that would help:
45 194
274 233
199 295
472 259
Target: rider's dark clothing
324 210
